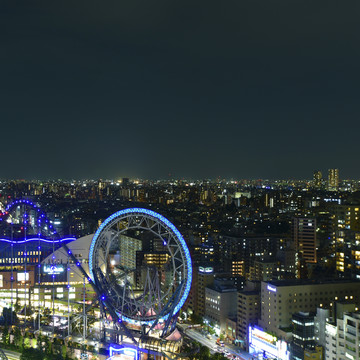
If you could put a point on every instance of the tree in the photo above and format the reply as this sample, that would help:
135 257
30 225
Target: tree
5 335
54 357
196 319
204 353
32 354
39 342
17 337
7 320
46 316
218 356
27 343
47 346
17 306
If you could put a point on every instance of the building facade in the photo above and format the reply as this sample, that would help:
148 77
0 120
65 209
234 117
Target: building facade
282 298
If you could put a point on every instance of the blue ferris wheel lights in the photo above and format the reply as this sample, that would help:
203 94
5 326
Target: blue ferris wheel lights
175 231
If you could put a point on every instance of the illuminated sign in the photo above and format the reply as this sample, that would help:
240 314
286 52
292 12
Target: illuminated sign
261 341
264 335
53 269
207 270
271 288
22 276
124 350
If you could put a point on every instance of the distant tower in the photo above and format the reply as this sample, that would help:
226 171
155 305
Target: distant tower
317 178
125 181
333 179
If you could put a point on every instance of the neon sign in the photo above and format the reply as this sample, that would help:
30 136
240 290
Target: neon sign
207 270
271 288
125 350
261 341
53 269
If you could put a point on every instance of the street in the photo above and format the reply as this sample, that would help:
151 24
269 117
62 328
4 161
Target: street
11 355
194 334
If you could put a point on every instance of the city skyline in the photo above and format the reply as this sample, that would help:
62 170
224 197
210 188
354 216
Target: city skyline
199 90
319 179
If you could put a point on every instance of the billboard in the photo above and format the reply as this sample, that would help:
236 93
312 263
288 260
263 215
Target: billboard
264 343
22 276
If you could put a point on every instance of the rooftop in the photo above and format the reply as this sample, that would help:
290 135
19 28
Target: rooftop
299 282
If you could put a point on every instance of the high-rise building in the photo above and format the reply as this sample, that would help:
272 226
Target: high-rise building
204 277
304 237
317 178
229 250
346 239
333 179
248 312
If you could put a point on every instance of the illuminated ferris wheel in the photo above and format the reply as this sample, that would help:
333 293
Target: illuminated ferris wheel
141 266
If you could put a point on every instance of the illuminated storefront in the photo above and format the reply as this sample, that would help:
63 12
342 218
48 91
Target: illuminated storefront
265 345
123 352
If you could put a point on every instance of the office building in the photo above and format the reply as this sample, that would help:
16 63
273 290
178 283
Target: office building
304 237
248 313
303 334
220 303
282 298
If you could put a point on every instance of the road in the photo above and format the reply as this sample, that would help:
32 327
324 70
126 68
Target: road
192 333
211 343
11 355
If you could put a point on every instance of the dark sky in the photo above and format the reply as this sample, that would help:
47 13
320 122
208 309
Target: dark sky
199 89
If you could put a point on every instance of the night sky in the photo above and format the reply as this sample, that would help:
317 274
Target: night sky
168 88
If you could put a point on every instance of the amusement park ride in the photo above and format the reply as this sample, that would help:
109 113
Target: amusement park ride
142 301
139 267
